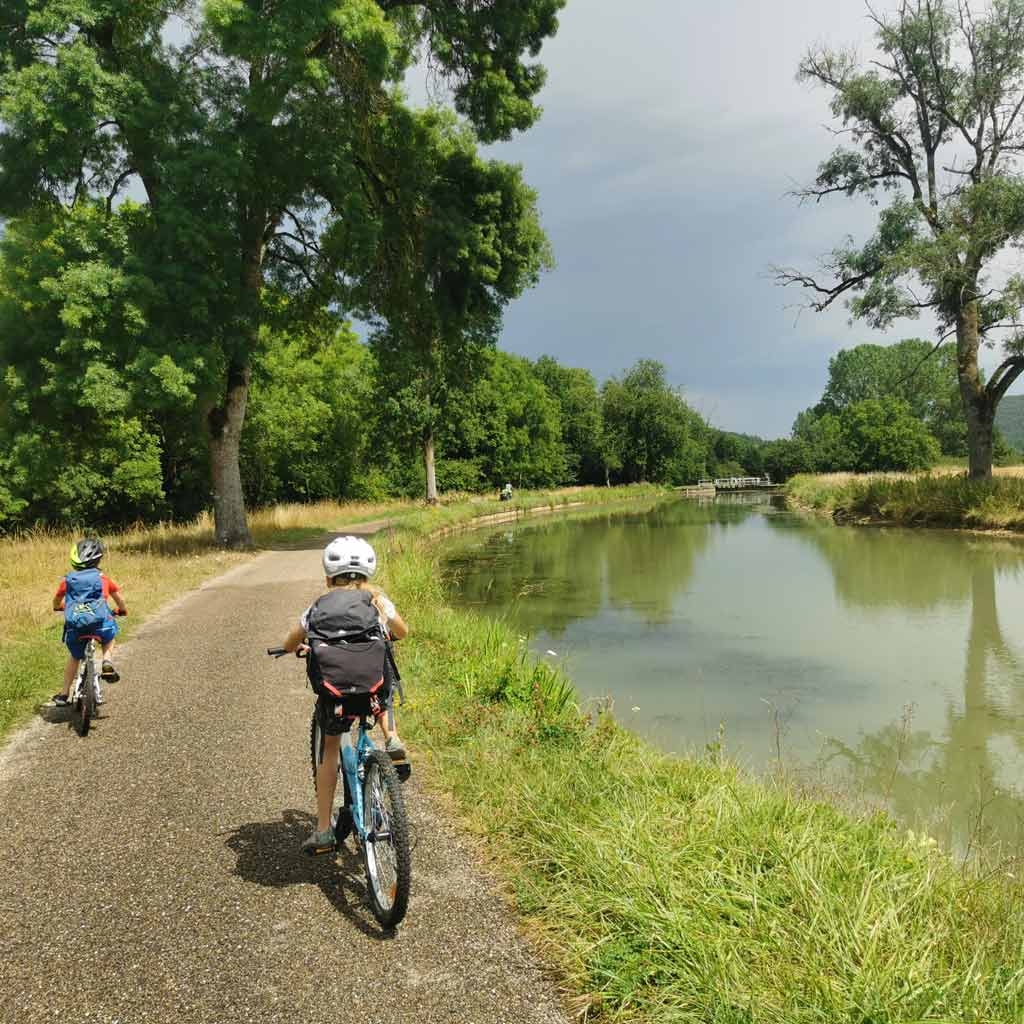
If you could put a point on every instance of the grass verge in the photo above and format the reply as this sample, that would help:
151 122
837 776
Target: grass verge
937 499
683 890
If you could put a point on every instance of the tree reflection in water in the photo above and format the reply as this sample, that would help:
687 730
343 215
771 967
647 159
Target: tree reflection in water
958 786
575 566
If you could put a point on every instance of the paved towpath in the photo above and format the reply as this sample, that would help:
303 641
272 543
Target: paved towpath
149 872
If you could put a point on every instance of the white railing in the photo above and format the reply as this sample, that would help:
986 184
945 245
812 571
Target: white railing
735 483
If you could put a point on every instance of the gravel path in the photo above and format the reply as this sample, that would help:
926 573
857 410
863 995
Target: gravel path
150 872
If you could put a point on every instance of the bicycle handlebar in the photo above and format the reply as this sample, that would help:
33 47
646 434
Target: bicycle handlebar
280 652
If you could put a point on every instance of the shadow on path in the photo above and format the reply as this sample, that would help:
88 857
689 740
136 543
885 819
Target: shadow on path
268 854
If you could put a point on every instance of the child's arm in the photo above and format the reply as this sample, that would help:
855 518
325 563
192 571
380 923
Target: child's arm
58 598
295 639
116 597
397 627
396 624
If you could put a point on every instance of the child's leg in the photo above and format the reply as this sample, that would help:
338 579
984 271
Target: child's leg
70 671
327 782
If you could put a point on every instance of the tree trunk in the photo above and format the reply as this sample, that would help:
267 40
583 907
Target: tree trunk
428 463
225 427
979 409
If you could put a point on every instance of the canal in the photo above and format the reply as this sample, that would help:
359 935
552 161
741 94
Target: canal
887 663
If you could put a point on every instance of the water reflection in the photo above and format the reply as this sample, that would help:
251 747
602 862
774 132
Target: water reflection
572 568
964 786
691 615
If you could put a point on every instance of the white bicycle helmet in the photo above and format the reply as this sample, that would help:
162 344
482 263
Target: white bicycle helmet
346 556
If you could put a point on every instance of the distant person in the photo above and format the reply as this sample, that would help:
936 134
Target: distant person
351 606
82 596
506 493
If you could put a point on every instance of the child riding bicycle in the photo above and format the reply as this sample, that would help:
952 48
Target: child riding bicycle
83 595
351 601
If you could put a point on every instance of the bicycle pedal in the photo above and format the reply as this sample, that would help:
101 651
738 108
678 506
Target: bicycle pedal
320 851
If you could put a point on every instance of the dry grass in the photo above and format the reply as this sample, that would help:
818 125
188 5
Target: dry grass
152 563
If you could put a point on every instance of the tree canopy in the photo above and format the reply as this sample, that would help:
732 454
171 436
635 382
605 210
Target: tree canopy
935 127
251 129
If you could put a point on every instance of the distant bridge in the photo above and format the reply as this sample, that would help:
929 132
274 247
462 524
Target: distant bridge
738 483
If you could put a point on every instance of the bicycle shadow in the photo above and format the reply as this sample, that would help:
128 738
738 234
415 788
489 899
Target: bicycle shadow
268 854
53 715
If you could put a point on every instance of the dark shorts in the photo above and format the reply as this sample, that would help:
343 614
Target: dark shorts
336 717
76 644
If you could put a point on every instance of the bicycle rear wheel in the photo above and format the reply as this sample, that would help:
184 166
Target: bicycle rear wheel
86 703
386 851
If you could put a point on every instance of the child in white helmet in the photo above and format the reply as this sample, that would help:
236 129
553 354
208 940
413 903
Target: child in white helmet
349 563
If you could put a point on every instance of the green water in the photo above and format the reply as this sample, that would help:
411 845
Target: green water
889 663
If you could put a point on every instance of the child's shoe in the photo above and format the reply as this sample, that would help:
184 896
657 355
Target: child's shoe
109 674
395 749
320 843
60 700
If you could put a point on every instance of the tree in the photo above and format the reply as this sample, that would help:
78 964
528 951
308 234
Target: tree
828 447
911 370
575 391
937 126
310 427
86 407
510 426
651 434
457 238
883 434
248 138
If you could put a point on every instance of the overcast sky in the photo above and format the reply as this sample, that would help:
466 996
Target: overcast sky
671 134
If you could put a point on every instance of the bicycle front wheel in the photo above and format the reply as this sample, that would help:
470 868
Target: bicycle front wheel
386 849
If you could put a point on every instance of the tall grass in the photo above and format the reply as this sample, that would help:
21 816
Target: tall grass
152 563
938 499
672 890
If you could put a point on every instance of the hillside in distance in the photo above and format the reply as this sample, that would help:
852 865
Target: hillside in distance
1010 420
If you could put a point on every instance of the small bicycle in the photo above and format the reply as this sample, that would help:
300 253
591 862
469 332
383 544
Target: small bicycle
85 691
372 808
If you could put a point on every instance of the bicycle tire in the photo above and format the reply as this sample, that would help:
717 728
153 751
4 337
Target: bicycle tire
343 817
386 853
87 696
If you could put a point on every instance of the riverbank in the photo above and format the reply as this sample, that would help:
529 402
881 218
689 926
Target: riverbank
665 889
157 564
671 889
947 500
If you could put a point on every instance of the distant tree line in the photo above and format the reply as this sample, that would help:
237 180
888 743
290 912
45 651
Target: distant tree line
94 429
884 408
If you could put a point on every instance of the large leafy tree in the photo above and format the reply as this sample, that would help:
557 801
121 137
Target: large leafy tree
454 239
248 128
87 408
650 433
935 127
575 391
910 370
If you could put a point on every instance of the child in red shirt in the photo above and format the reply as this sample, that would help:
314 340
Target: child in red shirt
86 554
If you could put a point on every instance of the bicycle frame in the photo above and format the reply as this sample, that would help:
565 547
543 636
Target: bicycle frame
353 756
88 654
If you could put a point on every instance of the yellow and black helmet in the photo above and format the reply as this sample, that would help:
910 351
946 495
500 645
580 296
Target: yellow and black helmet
86 553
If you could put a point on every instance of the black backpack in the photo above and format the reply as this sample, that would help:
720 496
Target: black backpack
347 646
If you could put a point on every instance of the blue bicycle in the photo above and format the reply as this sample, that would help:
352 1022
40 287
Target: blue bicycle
373 809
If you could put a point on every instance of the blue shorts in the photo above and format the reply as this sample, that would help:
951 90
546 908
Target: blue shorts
76 646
